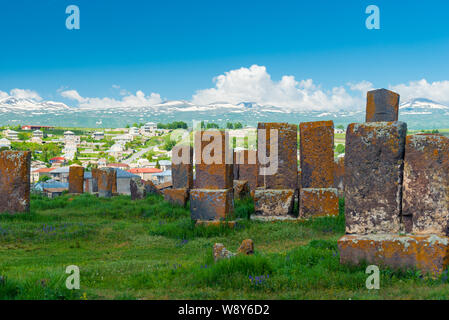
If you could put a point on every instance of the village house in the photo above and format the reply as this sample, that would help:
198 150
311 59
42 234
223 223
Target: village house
5 143
11 134
98 135
38 134
165 165
58 161
161 177
37 174
145 173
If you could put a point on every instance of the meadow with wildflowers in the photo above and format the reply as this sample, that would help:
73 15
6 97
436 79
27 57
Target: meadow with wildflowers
149 249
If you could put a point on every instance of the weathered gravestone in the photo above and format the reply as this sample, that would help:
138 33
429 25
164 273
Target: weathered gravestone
247 167
15 181
137 188
212 198
241 189
317 197
107 179
425 201
182 175
278 171
382 105
374 161
76 179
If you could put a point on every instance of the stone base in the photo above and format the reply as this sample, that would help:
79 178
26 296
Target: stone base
215 223
207 204
428 253
320 202
274 203
177 196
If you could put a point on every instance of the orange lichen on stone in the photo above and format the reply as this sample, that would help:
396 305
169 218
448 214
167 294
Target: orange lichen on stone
428 253
151 188
76 179
317 154
425 196
318 202
15 181
382 105
274 203
287 161
177 196
374 160
247 247
211 204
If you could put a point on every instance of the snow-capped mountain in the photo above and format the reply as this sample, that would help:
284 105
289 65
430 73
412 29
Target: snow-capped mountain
421 106
13 104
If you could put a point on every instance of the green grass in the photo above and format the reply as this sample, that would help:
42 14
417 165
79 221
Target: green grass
149 249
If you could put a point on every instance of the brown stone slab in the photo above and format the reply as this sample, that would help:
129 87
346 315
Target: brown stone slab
373 177
318 202
428 253
177 196
216 171
76 179
150 188
182 172
287 161
107 179
426 184
274 202
137 189
15 181
317 154
248 168
382 105
211 204
95 175
339 174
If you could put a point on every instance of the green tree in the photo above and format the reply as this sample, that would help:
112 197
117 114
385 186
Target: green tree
340 148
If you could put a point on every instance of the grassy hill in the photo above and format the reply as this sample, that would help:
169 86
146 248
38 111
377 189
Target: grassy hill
149 249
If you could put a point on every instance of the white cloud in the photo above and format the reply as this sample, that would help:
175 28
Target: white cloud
25 94
254 84
129 101
437 91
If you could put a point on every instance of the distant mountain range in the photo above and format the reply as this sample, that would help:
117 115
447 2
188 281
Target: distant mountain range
419 113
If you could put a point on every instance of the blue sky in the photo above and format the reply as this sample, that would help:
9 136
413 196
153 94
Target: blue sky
175 48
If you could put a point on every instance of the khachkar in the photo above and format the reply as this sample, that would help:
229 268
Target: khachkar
15 181
246 169
396 191
182 175
382 105
76 179
107 182
278 170
318 197
212 199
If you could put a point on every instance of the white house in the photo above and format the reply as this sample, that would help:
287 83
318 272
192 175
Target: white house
5 143
11 134
98 135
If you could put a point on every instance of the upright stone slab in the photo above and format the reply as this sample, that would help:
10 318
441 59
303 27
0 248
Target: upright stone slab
248 168
76 179
106 180
213 160
182 171
339 173
425 202
211 204
241 189
15 181
317 154
95 175
374 161
137 189
382 105
287 161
